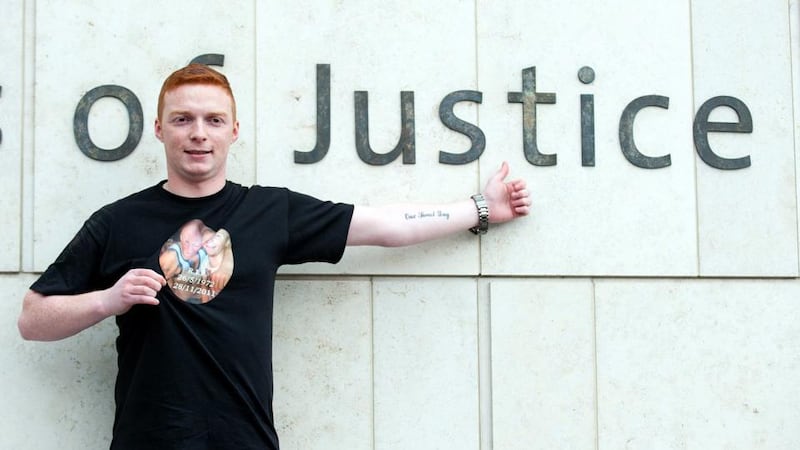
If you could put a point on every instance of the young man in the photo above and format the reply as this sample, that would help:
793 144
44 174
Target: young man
194 354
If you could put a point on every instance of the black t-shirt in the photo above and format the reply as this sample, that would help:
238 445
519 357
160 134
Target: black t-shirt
195 372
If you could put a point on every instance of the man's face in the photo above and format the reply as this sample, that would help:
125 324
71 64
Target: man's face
197 128
191 241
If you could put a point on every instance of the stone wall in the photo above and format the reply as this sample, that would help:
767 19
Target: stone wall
641 308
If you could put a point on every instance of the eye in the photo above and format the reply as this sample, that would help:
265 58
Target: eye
180 119
216 120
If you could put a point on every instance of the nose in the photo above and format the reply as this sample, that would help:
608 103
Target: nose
198 131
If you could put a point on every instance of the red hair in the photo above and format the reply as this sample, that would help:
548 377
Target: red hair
195 74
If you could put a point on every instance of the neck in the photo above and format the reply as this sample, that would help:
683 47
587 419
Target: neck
194 189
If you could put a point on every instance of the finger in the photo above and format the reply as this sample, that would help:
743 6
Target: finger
152 284
149 301
140 271
135 292
521 207
141 294
522 210
522 202
151 274
144 300
523 193
517 184
147 291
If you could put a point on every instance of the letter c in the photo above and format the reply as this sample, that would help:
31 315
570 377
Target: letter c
629 149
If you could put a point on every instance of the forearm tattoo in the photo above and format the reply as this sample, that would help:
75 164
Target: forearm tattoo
434 214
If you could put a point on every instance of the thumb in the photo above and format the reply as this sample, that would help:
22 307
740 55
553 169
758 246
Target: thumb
502 172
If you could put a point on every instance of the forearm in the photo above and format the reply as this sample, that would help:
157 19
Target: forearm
408 224
50 318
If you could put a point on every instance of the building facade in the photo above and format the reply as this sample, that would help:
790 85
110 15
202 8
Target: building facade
650 301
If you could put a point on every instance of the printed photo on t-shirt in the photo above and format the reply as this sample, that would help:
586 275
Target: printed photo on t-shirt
197 262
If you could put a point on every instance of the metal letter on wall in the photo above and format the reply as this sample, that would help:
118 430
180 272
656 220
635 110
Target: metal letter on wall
323 119
586 75
587 130
529 98
81 123
209 59
449 119
626 140
702 127
405 144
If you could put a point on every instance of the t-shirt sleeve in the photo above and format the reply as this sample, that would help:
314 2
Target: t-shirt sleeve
317 229
75 271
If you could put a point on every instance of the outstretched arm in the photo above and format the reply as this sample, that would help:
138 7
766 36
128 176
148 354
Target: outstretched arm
408 224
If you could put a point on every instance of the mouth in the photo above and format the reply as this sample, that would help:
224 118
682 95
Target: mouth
197 152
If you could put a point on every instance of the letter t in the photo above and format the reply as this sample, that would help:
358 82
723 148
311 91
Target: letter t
529 98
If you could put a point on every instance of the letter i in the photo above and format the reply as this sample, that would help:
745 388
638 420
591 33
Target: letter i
586 76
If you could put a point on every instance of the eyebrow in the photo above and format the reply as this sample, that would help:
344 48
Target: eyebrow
185 112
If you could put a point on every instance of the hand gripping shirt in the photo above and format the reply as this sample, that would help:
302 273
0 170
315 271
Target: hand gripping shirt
195 372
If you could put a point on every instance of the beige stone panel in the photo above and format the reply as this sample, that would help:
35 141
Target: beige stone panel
614 217
323 364
445 257
134 44
543 368
426 364
698 364
57 394
424 47
794 18
747 218
11 117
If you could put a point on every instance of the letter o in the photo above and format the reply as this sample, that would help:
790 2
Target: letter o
135 123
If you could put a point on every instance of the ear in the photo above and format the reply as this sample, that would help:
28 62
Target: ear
235 131
157 128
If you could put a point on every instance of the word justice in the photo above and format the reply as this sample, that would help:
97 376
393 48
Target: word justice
529 98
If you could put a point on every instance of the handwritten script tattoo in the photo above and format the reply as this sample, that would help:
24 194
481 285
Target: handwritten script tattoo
427 215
